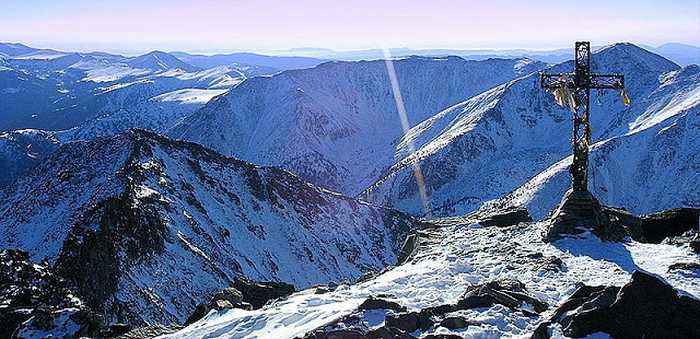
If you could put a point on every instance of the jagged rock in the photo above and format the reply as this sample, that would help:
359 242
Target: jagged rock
336 334
545 262
386 332
442 336
410 321
684 266
692 238
226 299
35 299
629 221
581 211
510 293
645 307
454 322
373 303
259 293
408 247
323 289
658 226
149 332
507 218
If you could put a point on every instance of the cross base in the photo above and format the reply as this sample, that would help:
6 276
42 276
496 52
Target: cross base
578 212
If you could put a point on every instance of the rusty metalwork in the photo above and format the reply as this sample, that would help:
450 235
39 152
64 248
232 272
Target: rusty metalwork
579 83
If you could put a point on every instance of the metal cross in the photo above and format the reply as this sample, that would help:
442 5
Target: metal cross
579 84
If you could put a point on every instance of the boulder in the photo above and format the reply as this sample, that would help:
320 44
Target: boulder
259 293
658 226
687 266
35 299
510 293
454 322
225 299
410 321
645 307
373 303
506 218
442 336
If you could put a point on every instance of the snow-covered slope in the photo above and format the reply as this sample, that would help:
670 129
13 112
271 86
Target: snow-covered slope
337 124
655 165
451 259
491 144
65 91
21 150
148 227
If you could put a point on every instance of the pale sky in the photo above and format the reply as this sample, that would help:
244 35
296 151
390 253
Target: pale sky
207 25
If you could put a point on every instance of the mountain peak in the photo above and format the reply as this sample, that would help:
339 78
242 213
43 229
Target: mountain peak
160 61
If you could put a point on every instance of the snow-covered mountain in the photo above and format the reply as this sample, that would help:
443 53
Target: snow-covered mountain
267 62
64 91
147 227
158 61
337 124
21 150
491 144
653 164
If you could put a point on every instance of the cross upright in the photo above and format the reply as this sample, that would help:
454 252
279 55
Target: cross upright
577 86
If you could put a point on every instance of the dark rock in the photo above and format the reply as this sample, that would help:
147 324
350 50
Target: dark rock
580 211
454 322
547 263
149 332
658 226
386 332
442 336
33 296
542 331
373 303
226 299
507 218
629 221
336 334
410 321
684 266
259 293
323 289
116 330
646 307
408 247
510 293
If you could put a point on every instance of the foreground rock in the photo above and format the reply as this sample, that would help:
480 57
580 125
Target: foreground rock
400 323
33 301
646 307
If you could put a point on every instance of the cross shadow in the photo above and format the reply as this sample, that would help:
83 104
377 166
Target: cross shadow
593 247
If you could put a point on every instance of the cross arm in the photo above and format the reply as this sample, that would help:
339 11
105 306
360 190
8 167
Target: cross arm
554 80
607 81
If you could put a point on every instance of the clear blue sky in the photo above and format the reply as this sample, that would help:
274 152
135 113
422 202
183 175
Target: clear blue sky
206 25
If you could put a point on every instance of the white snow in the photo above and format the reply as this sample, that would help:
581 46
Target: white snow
190 95
451 259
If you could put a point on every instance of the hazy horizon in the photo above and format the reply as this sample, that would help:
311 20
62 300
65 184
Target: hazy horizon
132 27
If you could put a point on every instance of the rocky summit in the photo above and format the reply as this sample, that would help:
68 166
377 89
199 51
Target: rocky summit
182 195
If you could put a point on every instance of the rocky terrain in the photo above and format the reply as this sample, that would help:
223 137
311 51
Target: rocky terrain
146 227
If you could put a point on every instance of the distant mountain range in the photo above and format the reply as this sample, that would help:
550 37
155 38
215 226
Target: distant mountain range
682 54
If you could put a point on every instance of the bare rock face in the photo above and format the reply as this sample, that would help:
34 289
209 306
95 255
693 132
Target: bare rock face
581 211
646 307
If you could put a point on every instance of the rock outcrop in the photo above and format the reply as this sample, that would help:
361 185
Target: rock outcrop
645 307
